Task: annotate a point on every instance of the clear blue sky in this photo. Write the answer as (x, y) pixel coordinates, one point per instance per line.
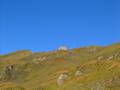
(43, 25)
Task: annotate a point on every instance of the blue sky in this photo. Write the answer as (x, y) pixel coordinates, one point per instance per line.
(43, 25)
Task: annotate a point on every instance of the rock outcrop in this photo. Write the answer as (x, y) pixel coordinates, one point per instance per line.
(9, 72)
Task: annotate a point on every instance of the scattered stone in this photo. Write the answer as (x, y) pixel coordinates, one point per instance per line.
(62, 78)
(110, 58)
(101, 57)
(78, 73)
(40, 59)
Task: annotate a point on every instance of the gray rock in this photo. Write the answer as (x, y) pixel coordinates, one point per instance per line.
(61, 79)
(110, 58)
(78, 73)
(101, 57)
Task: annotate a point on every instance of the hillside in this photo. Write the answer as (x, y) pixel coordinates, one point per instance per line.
(85, 68)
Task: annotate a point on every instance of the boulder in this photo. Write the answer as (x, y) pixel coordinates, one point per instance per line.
(78, 73)
(110, 58)
(62, 77)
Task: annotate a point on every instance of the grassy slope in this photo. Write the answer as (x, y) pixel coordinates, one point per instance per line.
(32, 73)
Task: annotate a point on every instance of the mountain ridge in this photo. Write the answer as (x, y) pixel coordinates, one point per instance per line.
(85, 68)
